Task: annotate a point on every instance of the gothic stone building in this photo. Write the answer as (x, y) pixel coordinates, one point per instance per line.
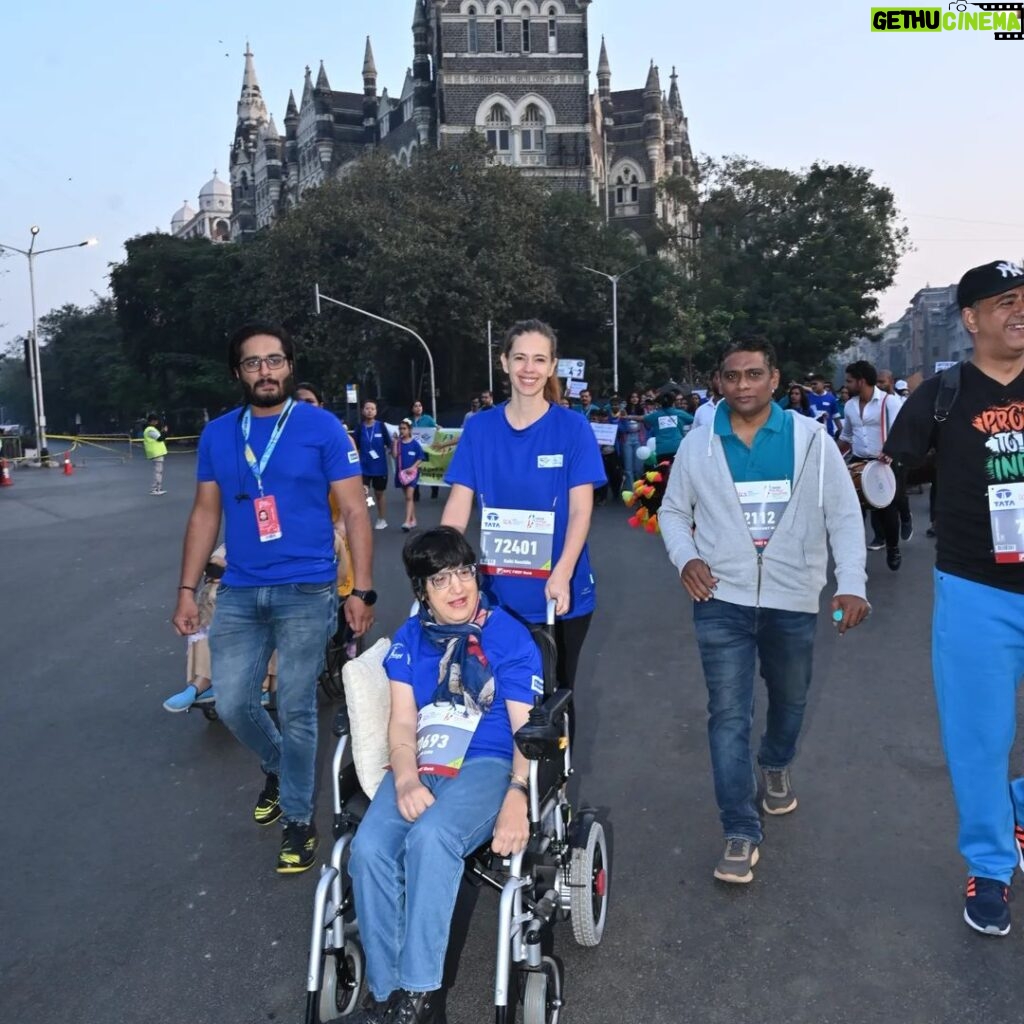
(516, 71)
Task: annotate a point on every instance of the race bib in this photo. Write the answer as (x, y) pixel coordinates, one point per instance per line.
(443, 735)
(515, 542)
(763, 502)
(668, 423)
(1006, 514)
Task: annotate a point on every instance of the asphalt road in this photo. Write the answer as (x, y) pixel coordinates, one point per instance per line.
(137, 889)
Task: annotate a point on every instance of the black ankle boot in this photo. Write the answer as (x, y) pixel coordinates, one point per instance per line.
(372, 1012)
(416, 1008)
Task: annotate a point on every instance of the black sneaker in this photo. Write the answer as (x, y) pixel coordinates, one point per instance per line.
(987, 906)
(893, 558)
(298, 848)
(930, 532)
(372, 1012)
(268, 809)
(877, 543)
(907, 528)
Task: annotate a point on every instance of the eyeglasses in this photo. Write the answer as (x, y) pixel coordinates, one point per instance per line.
(443, 580)
(253, 363)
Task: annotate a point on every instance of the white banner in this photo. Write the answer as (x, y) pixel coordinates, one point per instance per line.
(573, 369)
(605, 433)
(939, 367)
(576, 388)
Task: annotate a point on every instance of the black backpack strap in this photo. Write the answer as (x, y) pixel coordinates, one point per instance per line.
(949, 388)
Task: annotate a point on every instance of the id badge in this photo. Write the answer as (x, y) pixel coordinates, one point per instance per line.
(374, 455)
(267, 523)
(1006, 514)
(443, 735)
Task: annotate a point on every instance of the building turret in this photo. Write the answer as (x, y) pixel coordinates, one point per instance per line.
(604, 74)
(324, 107)
(252, 116)
(675, 101)
(291, 147)
(654, 122)
(423, 105)
(371, 106)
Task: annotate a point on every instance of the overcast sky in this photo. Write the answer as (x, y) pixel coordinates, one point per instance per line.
(116, 112)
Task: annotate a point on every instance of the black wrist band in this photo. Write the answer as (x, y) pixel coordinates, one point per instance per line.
(519, 787)
(183, 587)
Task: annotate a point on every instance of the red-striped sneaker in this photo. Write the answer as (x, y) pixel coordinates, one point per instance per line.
(987, 905)
(1018, 834)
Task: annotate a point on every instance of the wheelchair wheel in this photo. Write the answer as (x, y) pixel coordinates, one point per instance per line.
(330, 678)
(542, 994)
(342, 980)
(588, 880)
(209, 712)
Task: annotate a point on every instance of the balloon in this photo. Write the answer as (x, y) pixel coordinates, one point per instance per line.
(643, 453)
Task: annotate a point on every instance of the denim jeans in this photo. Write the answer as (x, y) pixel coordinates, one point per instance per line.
(731, 638)
(631, 465)
(405, 876)
(249, 624)
(978, 662)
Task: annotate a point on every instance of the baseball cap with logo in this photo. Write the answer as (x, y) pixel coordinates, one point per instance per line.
(990, 279)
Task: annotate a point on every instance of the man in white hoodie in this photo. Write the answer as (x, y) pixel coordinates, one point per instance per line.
(752, 505)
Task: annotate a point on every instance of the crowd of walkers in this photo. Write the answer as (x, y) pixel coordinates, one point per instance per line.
(757, 498)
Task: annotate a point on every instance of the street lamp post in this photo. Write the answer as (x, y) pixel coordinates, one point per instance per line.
(34, 365)
(615, 279)
(318, 295)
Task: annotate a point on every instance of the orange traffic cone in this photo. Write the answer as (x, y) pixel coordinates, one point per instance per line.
(68, 468)
(5, 474)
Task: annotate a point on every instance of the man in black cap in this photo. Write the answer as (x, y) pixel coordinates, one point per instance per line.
(976, 425)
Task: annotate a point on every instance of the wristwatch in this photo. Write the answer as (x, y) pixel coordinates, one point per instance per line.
(368, 597)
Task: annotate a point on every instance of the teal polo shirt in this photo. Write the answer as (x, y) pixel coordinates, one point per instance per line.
(771, 455)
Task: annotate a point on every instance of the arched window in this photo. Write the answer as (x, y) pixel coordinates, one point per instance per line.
(526, 30)
(531, 135)
(474, 32)
(499, 132)
(499, 31)
(552, 30)
(627, 192)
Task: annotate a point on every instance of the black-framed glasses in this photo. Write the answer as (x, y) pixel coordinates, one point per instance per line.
(251, 364)
(443, 580)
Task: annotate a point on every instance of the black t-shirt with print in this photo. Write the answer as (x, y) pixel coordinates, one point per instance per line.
(981, 444)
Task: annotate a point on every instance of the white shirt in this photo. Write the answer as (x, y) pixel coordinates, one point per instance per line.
(862, 430)
(705, 413)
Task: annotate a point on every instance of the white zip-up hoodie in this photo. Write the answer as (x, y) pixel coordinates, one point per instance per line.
(701, 517)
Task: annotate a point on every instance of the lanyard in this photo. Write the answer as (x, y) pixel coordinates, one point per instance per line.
(370, 435)
(258, 468)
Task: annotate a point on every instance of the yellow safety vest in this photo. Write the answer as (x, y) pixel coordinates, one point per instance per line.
(151, 443)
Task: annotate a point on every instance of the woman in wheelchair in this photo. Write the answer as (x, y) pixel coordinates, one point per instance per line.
(462, 677)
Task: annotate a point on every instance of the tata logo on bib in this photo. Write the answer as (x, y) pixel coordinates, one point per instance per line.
(1005, 21)
(492, 520)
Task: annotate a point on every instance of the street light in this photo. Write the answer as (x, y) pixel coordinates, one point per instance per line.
(615, 279)
(34, 368)
(318, 295)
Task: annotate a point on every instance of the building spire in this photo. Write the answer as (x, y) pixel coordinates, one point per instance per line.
(604, 74)
(369, 67)
(419, 17)
(322, 84)
(675, 101)
(293, 110)
(603, 65)
(653, 80)
(251, 108)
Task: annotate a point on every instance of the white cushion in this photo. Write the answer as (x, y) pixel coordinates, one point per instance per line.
(368, 696)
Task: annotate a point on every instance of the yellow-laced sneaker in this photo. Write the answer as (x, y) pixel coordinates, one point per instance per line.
(298, 848)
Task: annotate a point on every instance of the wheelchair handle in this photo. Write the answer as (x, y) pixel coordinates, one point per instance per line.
(549, 617)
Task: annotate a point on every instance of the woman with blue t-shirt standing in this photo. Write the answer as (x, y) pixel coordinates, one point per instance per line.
(408, 458)
(532, 465)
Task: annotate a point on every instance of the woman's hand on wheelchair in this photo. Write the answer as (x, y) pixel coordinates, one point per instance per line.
(413, 798)
(512, 829)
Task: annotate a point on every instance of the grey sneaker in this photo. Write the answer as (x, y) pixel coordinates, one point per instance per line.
(737, 862)
(778, 793)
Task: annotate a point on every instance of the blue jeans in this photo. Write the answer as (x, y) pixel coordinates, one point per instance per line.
(978, 661)
(405, 877)
(631, 465)
(731, 638)
(249, 624)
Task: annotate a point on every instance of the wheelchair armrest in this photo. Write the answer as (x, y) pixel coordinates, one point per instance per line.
(341, 726)
(542, 736)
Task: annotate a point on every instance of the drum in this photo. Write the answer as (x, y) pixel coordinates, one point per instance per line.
(874, 482)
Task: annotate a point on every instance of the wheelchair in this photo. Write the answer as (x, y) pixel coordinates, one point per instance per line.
(563, 874)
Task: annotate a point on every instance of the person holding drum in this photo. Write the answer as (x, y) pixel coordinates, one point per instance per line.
(869, 417)
(752, 497)
(532, 466)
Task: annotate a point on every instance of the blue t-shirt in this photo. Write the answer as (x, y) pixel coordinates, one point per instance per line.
(825, 408)
(668, 427)
(372, 441)
(770, 457)
(313, 451)
(408, 452)
(531, 470)
(515, 662)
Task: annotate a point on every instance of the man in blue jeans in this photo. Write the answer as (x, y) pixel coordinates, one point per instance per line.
(753, 502)
(271, 467)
